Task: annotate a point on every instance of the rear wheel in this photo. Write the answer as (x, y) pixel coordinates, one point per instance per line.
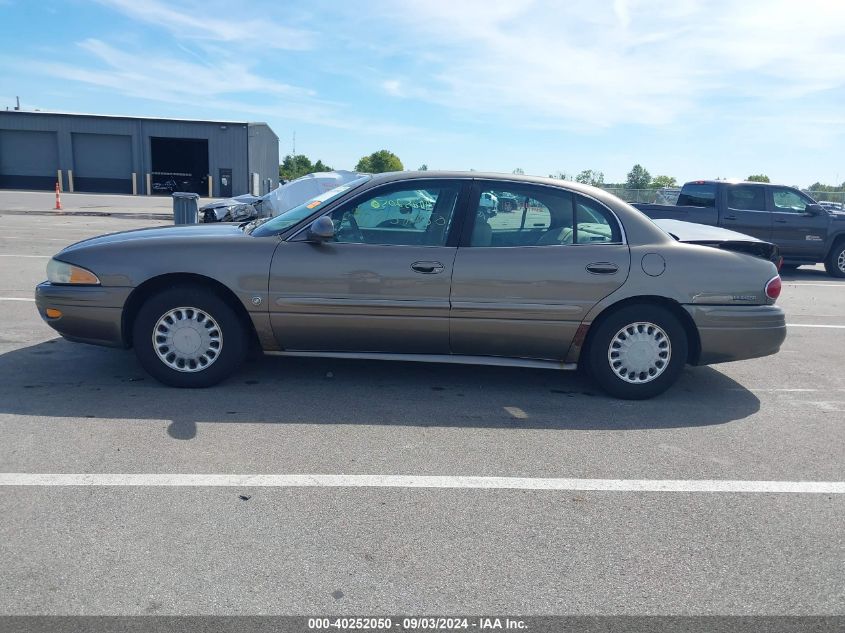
(637, 352)
(189, 337)
(835, 262)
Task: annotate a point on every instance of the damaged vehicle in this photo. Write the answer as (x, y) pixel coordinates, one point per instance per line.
(287, 196)
(589, 282)
(237, 209)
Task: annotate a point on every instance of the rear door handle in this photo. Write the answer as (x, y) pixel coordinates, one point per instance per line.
(602, 268)
(781, 221)
(427, 268)
(729, 217)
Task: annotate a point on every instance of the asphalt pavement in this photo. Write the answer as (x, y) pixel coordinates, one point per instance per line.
(241, 549)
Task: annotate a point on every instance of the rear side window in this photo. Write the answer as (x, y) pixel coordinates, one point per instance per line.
(522, 215)
(698, 195)
(517, 215)
(594, 224)
(747, 197)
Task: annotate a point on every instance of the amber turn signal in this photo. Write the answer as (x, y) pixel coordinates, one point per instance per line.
(53, 313)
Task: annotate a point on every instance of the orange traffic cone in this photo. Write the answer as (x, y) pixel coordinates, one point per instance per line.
(58, 198)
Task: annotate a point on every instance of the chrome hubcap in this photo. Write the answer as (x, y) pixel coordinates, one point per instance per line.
(841, 261)
(187, 339)
(639, 352)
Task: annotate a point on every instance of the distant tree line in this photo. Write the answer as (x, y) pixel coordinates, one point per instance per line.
(639, 177)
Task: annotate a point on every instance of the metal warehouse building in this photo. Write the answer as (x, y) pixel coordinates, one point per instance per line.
(135, 155)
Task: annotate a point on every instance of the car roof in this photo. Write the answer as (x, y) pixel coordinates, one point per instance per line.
(397, 176)
(736, 181)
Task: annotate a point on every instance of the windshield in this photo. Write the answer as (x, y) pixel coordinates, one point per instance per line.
(272, 226)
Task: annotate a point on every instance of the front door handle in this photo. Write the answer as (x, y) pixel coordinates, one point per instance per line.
(602, 268)
(729, 217)
(427, 268)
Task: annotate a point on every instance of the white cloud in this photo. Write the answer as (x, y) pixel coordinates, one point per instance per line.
(393, 87)
(216, 22)
(649, 62)
(215, 86)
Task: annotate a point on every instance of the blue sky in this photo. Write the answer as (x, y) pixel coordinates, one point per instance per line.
(688, 88)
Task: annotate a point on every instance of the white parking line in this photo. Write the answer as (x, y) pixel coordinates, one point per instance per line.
(835, 327)
(29, 239)
(801, 284)
(16, 299)
(768, 390)
(38, 256)
(422, 481)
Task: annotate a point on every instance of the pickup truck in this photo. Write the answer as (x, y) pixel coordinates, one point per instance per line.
(805, 232)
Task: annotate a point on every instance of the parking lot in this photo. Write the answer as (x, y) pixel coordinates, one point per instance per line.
(390, 543)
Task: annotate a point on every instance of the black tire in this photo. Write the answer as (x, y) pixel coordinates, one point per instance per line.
(210, 311)
(835, 262)
(598, 352)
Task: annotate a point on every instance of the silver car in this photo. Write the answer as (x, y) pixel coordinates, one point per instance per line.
(571, 276)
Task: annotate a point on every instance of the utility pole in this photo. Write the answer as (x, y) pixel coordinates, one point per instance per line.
(18, 100)
(293, 150)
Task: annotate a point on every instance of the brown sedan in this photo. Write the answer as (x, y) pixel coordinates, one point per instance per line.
(425, 267)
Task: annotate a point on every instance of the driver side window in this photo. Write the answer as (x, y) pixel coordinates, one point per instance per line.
(788, 201)
(391, 216)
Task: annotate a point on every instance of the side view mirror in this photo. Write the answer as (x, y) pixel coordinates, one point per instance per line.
(814, 209)
(321, 230)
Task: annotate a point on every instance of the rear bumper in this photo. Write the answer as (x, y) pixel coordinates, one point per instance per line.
(90, 314)
(731, 333)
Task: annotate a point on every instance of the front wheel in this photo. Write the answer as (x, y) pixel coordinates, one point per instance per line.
(835, 262)
(637, 352)
(189, 337)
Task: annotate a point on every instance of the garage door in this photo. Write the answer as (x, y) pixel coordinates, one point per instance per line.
(28, 160)
(102, 163)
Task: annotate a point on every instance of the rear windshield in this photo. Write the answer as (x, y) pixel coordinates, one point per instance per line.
(698, 195)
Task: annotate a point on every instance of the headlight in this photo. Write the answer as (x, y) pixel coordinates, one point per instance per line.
(242, 211)
(62, 273)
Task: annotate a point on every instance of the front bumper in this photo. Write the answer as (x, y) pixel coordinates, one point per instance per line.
(90, 314)
(729, 333)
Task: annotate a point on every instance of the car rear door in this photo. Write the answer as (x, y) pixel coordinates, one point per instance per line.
(524, 280)
(382, 284)
(746, 210)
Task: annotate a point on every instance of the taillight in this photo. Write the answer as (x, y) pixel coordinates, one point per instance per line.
(773, 288)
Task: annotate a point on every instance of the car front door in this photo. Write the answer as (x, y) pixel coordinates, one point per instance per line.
(381, 284)
(746, 211)
(797, 233)
(525, 277)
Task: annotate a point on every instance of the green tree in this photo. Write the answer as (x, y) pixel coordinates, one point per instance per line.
(294, 167)
(519, 171)
(817, 186)
(561, 175)
(379, 162)
(423, 167)
(758, 178)
(663, 181)
(590, 177)
(638, 177)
